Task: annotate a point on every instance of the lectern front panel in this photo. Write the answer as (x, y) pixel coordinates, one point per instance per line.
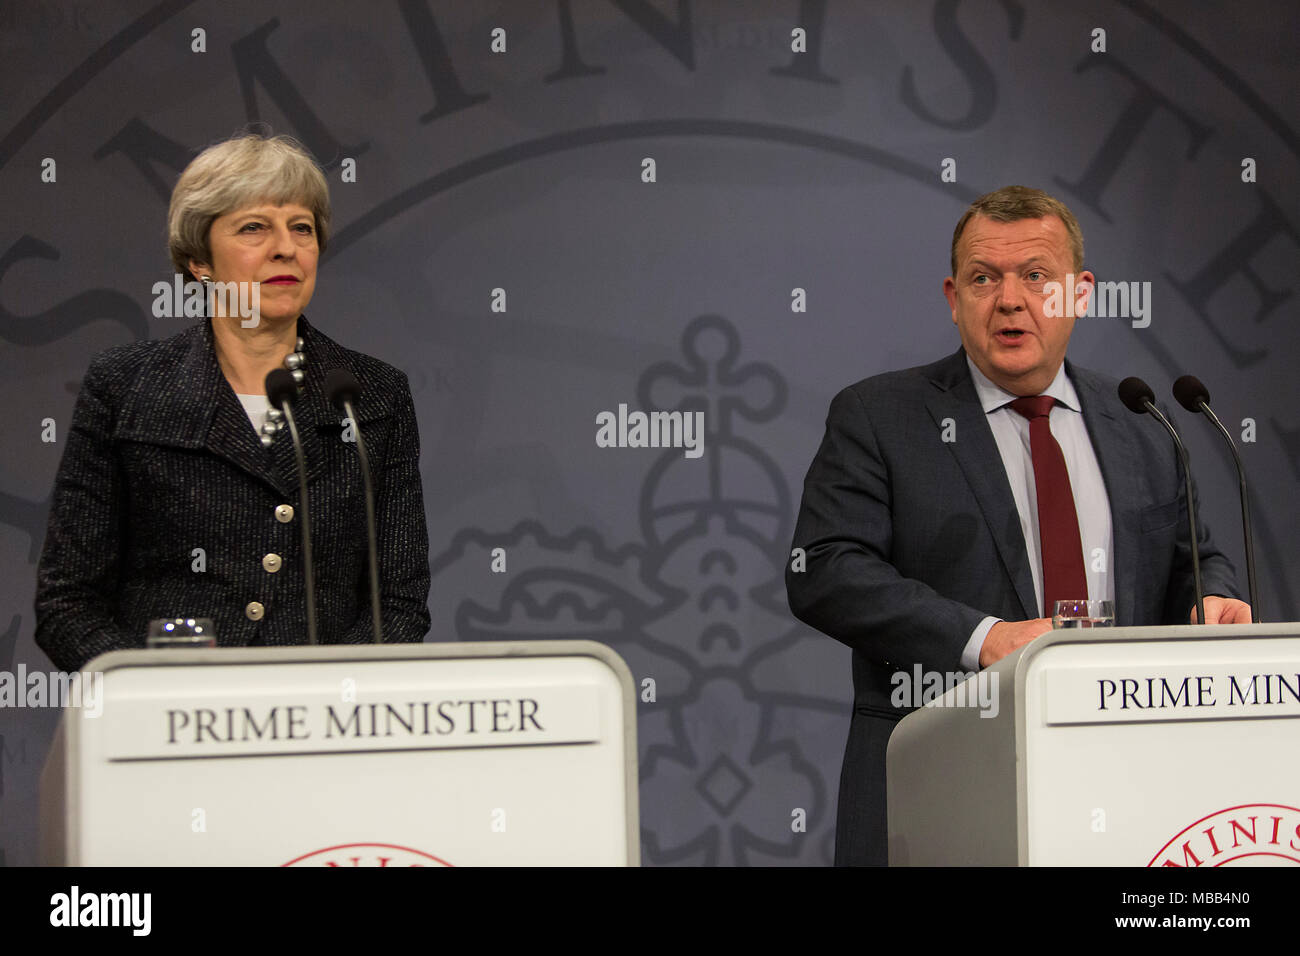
(1173, 753)
(337, 757)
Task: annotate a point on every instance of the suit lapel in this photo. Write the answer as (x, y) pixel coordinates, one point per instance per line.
(980, 461)
(1117, 457)
(189, 404)
(312, 413)
(202, 411)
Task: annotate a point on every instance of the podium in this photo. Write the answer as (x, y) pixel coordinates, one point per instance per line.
(1138, 746)
(504, 753)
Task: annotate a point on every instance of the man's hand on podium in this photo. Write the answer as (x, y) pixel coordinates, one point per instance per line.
(1005, 636)
(1220, 610)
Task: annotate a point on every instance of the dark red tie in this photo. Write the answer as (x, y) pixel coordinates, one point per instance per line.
(1058, 523)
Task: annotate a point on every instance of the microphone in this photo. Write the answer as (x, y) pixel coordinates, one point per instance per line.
(1138, 397)
(342, 389)
(1194, 397)
(282, 390)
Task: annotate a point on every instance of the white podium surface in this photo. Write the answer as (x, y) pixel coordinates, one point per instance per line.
(350, 755)
(1155, 746)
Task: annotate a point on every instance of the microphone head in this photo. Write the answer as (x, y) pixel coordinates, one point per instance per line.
(281, 388)
(341, 386)
(1135, 393)
(1190, 393)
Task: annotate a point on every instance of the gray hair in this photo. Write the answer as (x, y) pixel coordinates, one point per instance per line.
(1014, 203)
(242, 171)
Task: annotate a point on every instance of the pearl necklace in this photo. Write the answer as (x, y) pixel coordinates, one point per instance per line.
(274, 423)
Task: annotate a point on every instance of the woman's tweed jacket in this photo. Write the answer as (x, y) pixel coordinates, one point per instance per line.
(162, 460)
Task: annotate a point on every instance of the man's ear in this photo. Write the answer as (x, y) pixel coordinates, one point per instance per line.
(950, 293)
(1085, 283)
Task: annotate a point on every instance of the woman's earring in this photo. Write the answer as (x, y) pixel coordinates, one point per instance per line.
(207, 294)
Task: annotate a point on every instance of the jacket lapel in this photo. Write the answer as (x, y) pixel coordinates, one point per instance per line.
(191, 405)
(309, 411)
(313, 414)
(186, 402)
(230, 434)
(980, 461)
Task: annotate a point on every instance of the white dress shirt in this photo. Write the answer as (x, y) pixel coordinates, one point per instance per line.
(256, 407)
(1091, 504)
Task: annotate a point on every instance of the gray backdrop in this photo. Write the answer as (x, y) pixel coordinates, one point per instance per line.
(522, 170)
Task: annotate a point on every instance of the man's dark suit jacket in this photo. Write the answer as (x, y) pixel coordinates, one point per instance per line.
(911, 541)
(161, 459)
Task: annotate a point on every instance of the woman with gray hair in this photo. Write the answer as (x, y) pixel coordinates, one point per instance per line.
(177, 489)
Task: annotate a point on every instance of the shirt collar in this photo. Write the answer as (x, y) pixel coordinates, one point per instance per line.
(993, 397)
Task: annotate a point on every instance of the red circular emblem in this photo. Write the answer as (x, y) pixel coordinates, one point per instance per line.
(367, 854)
(1253, 834)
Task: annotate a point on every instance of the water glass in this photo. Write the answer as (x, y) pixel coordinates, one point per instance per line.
(1069, 614)
(168, 632)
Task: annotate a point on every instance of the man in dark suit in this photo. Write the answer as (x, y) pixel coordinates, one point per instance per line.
(949, 506)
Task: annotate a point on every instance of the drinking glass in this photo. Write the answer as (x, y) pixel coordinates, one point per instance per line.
(1070, 614)
(166, 632)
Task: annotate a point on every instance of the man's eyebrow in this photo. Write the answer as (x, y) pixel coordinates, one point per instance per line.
(990, 267)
